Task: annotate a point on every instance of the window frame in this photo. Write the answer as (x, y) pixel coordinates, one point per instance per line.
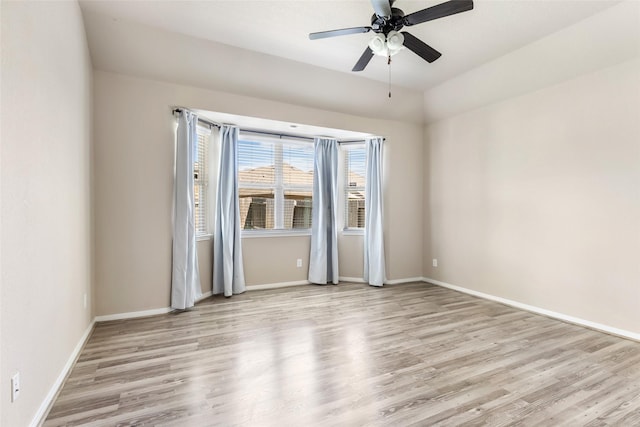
(346, 188)
(205, 181)
(279, 187)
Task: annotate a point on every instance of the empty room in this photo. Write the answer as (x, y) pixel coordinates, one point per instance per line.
(320, 213)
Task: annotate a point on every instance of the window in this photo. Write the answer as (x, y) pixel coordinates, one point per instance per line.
(201, 182)
(354, 207)
(275, 183)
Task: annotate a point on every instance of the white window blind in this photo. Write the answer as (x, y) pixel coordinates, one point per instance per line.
(354, 206)
(275, 181)
(201, 182)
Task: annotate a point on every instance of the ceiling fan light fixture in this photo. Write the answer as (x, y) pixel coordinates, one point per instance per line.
(378, 44)
(395, 41)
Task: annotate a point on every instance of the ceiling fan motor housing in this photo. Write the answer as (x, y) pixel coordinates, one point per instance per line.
(381, 25)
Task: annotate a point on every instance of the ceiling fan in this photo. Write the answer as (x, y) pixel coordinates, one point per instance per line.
(387, 21)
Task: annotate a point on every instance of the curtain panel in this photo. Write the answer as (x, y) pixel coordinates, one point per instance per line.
(323, 259)
(228, 270)
(185, 278)
(374, 269)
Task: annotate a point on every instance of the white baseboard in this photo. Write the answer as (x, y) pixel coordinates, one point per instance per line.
(143, 313)
(153, 312)
(387, 282)
(43, 410)
(132, 314)
(401, 281)
(277, 285)
(537, 310)
(351, 279)
(204, 296)
(341, 279)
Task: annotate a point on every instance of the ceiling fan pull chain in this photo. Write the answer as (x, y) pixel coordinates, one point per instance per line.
(389, 64)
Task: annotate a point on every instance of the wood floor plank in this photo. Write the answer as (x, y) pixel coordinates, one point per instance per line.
(350, 355)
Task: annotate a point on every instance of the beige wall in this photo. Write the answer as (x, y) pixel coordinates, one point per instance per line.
(273, 259)
(134, 137)
(537, 199)
(45, 204)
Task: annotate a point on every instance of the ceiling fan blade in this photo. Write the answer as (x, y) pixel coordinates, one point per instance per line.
(382, 7)
(342, 32)
(439, 11)
(420, 48)
(364, 60)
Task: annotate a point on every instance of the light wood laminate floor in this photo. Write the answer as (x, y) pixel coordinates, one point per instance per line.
(351, 355)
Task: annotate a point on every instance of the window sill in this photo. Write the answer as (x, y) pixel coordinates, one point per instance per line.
(353, 232)
(250, 234)
(281, 233)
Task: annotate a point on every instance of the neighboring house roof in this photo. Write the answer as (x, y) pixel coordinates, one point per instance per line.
(265, 175)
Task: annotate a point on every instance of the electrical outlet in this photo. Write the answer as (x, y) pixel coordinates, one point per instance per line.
(15, 386)
(85, 300)
(299, 263)
(434, 262)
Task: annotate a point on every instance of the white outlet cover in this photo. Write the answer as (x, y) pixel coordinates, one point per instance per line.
(435, 262)
(299, 262)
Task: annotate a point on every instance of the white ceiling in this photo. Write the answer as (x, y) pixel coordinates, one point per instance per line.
(468, 40)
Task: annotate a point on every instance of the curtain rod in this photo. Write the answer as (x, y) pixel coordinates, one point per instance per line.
(200, 119)
(305, 137)
(278, 134)
(263, 132)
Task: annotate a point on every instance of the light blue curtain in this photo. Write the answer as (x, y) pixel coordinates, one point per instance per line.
(185, 278)
(228, 271)
(323, 259)
(374, 271)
